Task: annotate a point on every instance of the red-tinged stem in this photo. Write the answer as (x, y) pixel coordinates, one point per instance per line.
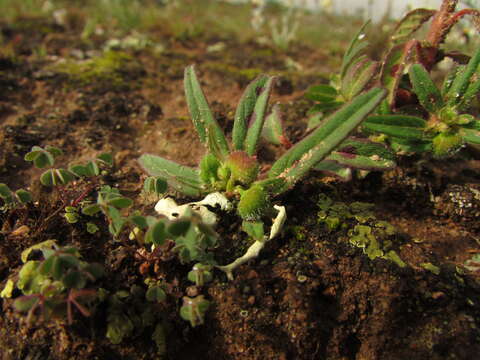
(460, 14)
(82, 196)
(439, 27)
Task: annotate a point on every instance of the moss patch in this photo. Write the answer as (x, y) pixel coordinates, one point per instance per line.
(362, 228)
(112, 67)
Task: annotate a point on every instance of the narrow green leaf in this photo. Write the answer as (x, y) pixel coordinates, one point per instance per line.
(400, 126)
(273, 129)
(201, 114)
(471, 136)
(245, 110)
(357, 45)
(333, 168)
(373, 162)
(425, 89)
(326, 106)
(410, 23)
(393, 68)
(462, 81)
(321, 93)
(296, 162)
(182, 178)
(358, 77)
(257, 118)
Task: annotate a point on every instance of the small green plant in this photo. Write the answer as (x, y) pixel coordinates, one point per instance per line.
(43, 158)
(110, 202)
(200, 274)
(57, 284)
(13, 199)
(448, 126)
(233, 168)
(194, 309)
(416, 116)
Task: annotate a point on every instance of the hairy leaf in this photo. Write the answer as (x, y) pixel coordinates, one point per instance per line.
(296, 162)
(400, 126)
(426, 91)
(182, 178)
(410, 23)
(245, 111)
(258, 118)
(463, 80)
(201, 114)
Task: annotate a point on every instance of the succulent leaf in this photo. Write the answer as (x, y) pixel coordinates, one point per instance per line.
(321, 93)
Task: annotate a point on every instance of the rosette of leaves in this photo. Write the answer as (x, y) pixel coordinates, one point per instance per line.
(448, 125)
(57, 284)
(232, 167)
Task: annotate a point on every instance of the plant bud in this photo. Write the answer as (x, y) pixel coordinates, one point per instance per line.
(244, 168)
(253, 203)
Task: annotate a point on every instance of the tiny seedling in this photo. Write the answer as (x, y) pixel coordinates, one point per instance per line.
(232, 168)
(56, 284)
(194, 309)
(13, 199)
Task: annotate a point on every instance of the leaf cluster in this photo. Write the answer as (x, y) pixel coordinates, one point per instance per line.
(232, 167)
(55, 284)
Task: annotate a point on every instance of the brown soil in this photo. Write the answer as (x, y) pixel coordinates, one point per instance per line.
(313, 296)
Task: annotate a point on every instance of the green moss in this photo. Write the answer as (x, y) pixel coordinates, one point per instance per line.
(298, 232)
(362, 228)
(111, 67)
